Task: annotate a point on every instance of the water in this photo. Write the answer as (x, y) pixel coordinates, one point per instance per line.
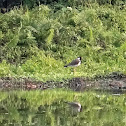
(47, 108)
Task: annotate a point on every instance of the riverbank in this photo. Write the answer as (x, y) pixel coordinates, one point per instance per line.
(112, 83)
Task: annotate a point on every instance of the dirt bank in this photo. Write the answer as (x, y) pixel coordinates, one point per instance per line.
(114, 82)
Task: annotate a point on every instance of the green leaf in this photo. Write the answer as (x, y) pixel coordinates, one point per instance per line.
(13, 42)
(50, 37)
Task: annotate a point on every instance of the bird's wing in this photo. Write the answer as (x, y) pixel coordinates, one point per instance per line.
(74, 62)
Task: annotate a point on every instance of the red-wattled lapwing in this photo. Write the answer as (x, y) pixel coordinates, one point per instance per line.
(74, 63)
(75, 107)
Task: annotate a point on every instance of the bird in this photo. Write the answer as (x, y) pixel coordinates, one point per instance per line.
(75, 106)
(74, 63)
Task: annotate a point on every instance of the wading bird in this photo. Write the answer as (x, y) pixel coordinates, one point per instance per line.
(74, 63)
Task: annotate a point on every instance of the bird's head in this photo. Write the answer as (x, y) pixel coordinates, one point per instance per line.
(79, 58)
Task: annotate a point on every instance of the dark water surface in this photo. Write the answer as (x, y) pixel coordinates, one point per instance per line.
(47, 108)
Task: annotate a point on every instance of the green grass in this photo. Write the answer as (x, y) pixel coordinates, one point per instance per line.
(38, 42)
(47, 68)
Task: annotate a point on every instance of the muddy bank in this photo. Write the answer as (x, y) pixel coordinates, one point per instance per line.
(114, 82)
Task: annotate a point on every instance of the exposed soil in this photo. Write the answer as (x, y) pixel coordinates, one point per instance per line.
(114, 82)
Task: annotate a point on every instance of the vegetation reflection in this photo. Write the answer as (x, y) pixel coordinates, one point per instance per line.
(48, 108)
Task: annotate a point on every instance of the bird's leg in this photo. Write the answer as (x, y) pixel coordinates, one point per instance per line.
(74, 70)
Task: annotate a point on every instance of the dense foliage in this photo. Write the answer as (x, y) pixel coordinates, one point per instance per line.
(38, 42)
